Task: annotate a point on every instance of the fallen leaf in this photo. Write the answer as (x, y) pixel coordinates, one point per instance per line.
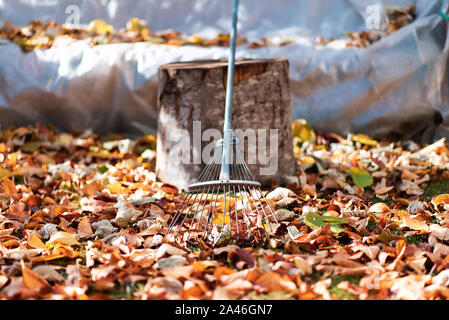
(49, 273)
(364, 139)
(361, 177)
(64, 238)
(33, 281)
(84, 228)
(115, 188)
(315, 220)
(36, 242)
(9, 188)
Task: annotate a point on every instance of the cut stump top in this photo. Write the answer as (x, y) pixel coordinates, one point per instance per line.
(244, 69)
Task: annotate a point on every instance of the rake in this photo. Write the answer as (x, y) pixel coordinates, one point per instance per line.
(226, 203)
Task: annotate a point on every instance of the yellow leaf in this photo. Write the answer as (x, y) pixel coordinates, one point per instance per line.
(32, 280)
(135, 24)
(307, 161)
(302, 130)
(115, 187)
(196, 39)
(36, 243)
(4, 173)
(63, 238)
(297, 151)
(226, 205)
(145, 33)
(100, 26)
(364, 139)
(218, 219)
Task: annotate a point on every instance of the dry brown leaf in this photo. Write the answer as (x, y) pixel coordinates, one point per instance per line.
(84, 228)
(33, 281)
(64, 238)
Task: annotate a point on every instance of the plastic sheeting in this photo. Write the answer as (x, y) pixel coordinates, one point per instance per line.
(397, 85)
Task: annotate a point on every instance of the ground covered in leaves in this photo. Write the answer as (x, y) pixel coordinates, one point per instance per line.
(81, 217)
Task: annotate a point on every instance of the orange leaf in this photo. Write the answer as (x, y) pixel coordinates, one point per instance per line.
(270, 281)
(115, 187)
(84, 228)
(46, 258)
(10, 244)
(39, 215)
(65, 251)
(441, 199)
(198, 266)
(221, 271)
(415, 224)
(9, 188)
(36, 243)
(32, 280)
(168, 188)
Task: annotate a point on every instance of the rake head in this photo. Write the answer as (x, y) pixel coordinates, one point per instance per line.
(226, 204)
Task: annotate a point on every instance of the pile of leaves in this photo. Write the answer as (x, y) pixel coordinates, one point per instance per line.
(82, 217)
(45, 35)
(397, 18)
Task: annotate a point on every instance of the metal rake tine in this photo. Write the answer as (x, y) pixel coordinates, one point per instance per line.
(245, 217)
(258, 213)
(205, 202)
(269, 207)
(210, 167)
(224, 217)
(236, 215)
(212, 213)
(179, 212)
(249, 202)
(215, 202)
(196, 212)
(185, 216)
(264, 213)
(241, 176)
(248, 222)
(233, 176)
(245, 167)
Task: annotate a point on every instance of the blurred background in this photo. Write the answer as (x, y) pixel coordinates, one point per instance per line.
(371, 66)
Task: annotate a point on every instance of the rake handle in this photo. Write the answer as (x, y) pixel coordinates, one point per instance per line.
(231, 63)
(227, 127)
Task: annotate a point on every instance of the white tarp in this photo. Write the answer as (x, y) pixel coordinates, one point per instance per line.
(397, 85)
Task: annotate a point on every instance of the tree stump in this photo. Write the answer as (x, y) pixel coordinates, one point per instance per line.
(191, 103)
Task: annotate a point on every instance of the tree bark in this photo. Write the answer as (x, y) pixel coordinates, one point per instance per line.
(195, 91)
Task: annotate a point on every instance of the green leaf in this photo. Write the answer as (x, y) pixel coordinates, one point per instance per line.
(30, 147)
(102, 168)
(19, 179)
(361, 177)
(315, 220)
(386, 237)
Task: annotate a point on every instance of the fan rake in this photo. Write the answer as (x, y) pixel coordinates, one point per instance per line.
(226, 203)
